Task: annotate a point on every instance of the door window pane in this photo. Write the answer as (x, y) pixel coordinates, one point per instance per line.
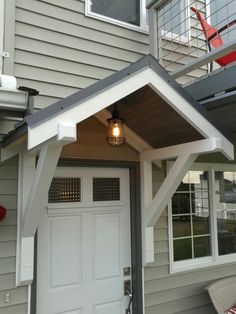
(122, 10)
(106, 189)
(63, 190)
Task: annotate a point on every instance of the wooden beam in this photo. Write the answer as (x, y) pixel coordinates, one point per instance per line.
(46, 166)
(196, 147)
(25, 246)
(153, 37)
(208, 57)
(168, 188)
(146, 199)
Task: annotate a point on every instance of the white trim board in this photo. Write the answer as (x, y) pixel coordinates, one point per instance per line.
(2, 23)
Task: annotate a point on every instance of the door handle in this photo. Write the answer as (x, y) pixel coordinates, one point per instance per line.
(127, 291)
(130, 302)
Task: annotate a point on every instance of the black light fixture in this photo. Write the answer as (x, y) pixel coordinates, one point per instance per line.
(115, 131)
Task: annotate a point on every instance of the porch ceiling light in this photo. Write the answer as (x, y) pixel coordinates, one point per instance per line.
(115, 131)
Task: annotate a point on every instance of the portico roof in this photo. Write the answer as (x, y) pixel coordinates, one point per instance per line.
(153, 104)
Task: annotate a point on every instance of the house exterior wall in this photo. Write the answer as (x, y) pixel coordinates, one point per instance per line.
(8, 199)
(58, 50)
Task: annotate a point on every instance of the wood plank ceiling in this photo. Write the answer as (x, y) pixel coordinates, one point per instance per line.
(152, 118)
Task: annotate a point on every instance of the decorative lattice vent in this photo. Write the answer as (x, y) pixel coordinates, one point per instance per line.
(106, 189)
(64, 190)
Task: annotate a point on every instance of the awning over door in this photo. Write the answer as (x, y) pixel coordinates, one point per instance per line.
(162, 121)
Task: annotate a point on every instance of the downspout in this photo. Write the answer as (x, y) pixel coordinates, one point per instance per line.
(10, 97)
(30, 103)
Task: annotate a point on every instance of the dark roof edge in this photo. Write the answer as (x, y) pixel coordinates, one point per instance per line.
(86, 93)
(14, 135)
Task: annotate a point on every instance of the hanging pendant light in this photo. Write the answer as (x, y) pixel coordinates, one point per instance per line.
(115, 131)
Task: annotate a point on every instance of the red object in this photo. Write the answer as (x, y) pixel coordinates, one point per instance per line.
(3, 212)
(214, 39)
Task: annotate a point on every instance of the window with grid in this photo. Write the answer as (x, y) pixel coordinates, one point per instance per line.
(190, 217)
(202, 218)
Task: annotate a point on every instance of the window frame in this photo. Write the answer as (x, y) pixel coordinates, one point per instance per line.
(180, 39)
(208, 261)
(143, 17)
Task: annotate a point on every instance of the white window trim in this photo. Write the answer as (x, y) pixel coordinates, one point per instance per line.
(143, 28)
(214, 259)
(185, 40)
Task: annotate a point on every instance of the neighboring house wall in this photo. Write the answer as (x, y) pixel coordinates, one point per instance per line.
(174, 54)
(60, 51)
(8, 198)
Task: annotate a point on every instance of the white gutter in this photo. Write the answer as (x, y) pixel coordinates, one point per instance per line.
(10, 97)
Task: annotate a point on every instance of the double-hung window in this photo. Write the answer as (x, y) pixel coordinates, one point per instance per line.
(202, 218)
(128, 13)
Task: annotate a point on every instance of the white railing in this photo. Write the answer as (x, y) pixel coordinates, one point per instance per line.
(177, 37)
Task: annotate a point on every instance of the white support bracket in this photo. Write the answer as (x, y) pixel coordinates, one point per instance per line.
(168, 188)
(196, 147)
(25, 246)
(153, 208)
(37, 200)
(34, 183)
(146, 198)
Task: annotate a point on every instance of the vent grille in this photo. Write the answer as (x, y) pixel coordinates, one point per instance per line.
(64, 190)
(106, 189)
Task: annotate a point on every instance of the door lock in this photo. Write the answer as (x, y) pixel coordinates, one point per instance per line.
(127, 287)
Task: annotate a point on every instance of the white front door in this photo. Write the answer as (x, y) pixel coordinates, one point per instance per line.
(84, 243)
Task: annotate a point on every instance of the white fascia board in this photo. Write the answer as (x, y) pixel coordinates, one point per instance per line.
(196, 147)
(49, 128)
(188, 112)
